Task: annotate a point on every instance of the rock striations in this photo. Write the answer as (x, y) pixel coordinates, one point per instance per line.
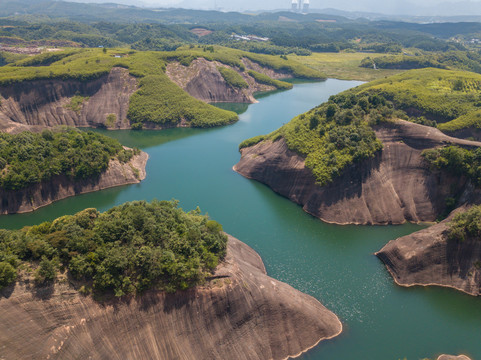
(61, 187)
(428, 258)
(44, 103)
(394, 187)
(202, 80)
(242, 313)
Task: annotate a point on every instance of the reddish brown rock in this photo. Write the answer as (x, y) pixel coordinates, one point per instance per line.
(202, 80)
(31, 105)
(428, 258)
(394, 187)
(241, 314)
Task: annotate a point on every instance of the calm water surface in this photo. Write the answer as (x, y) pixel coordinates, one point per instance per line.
(333, 263)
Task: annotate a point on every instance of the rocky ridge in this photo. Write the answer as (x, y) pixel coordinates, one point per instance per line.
(241, 313)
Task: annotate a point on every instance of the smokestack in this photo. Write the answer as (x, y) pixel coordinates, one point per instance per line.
(305, 6)
(295, 5)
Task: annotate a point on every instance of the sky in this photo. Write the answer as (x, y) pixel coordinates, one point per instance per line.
(396, 7)
(435, 7)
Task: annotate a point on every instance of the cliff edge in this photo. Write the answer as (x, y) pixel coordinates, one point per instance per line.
(202, 80)
(393, 187)
(61, 187)
(33, 105)
(241, 313)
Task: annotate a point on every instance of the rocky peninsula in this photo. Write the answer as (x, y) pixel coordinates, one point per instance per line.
(239, 313)
(393, 187)
(61, 187)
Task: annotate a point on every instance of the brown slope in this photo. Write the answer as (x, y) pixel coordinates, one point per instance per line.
(243, 314)
(61, 187)
(394, 187)
(43, 103)
(202, 80)
(427, 258)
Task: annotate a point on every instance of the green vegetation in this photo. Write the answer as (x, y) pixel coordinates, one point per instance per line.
(28, 158)
(433, 94)
(126, 250)
(111, 120)
(333, 135)
(7, 57)
(456, 60)
(172, 106)
(466, 225)
(76, 103)
(266, 80)
(158, 99)
(232, 77)
(343, 65)
(457, 161)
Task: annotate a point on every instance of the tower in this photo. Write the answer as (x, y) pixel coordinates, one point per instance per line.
(295, 5)
(305, 6)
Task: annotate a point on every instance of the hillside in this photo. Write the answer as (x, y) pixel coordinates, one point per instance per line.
(232, 308)
(352, 160)
(38, 169)
(121, 89)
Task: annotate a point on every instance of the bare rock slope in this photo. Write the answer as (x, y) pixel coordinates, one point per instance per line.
(37, 104)
(428, 258)
(202, 80)
(394, 187)
(241, 314)
(61, 187)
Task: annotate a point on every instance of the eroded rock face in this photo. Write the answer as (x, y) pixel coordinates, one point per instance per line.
(241, 314)
(394, 187)
(202, 80)
(61, 187)
(32, 105)
(428, 258)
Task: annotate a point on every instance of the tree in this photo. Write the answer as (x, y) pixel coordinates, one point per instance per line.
(8, 274)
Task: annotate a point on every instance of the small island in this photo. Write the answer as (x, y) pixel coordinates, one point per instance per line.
(148, 279)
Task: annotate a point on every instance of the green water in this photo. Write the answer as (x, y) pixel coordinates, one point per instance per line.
(333, 263)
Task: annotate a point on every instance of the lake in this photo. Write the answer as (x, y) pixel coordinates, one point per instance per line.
(333, 263)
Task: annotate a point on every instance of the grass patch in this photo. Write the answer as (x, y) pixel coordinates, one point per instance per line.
(344, 66)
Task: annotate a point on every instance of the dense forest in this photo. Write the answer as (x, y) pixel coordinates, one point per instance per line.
(126, 250)
(28, 158)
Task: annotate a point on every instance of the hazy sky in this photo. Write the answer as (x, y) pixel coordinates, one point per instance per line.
(393, 7)
(386, 6)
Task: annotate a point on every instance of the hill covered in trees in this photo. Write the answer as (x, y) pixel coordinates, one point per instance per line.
(128, 249)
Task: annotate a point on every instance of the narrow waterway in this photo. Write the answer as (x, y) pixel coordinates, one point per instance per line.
(333, 263)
